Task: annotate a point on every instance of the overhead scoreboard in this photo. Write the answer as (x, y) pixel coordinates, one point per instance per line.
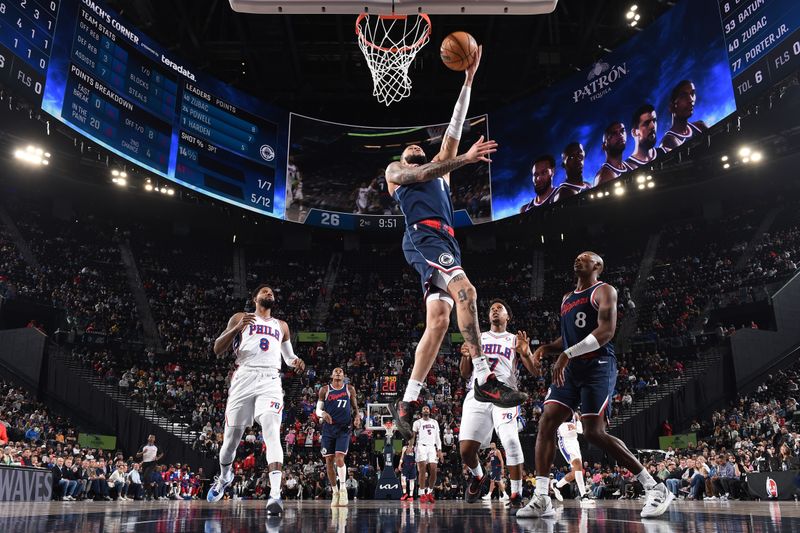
(119, 88)
(763, 42)
(26, 38)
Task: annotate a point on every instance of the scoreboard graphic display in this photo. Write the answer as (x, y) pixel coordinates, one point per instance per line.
(113, 84)
(763, 42)
(26, 38)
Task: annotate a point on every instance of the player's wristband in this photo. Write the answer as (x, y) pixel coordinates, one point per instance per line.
(589, 344)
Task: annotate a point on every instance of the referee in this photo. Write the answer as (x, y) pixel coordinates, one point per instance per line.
(150, 457)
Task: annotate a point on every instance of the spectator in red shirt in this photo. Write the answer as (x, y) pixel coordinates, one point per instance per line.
(3, 435)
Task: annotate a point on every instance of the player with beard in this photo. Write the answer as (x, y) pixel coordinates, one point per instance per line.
(681, 105)
(428, 451)
(543, 169)
(572, 160)
(644, 128)
(615, 139)
(259, 342)
(422, 190)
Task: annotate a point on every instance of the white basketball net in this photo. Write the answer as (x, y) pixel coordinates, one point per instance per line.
(389, 44)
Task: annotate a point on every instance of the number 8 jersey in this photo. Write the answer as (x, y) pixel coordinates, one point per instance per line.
(259, 344)
(579, 318)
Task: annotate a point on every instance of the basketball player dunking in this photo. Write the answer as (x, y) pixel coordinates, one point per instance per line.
(644, 128)
(614, 141)
(336, 406)
(259, 341)
(479, 419)
(542, 171)
(681, 105)
(584, 376)
(422, 190)
(572, 160)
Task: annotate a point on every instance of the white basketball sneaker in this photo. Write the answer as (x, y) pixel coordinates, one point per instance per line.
(540, 506)
(657, 501)
(217, 490)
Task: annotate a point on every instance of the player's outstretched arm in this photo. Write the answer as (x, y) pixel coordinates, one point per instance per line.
(401, 174)
(452, 136)
(236, 324)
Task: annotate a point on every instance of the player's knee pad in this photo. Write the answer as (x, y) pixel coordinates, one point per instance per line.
(271, 429)
(509, 437)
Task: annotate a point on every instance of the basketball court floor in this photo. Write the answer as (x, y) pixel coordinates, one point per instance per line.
(390, 516)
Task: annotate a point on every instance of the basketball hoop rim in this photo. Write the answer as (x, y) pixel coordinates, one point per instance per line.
(394, 50)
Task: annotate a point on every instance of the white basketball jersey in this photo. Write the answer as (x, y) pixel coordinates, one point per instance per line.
(259, 345)
(500, 351)
(569, 430)
(427, 431)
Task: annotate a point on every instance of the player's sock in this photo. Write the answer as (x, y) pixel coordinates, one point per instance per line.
(646, 479)
(411, 484)
(225, 470)
(481, 366)
(542, 485)
(412, 391)
(516, 486)
(341, 473)
(477, 471)
(579, 482)
(275, 484)
(561, 482)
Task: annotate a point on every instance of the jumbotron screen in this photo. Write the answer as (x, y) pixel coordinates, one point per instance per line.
(107, 80)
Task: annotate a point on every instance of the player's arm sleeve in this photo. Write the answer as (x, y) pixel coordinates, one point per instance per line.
(320, 408)
(438, 438)
(579, 427)
(287, 352)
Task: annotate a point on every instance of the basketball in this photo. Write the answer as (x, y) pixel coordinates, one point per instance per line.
(458, 50)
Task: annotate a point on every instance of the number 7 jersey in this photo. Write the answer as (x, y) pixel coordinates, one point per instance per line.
(579, 319)
(501, 355)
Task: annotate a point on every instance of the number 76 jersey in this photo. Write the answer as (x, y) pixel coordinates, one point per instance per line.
(500, 350)
(579, 319)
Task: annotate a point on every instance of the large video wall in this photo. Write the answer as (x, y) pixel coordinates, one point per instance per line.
(91, 69)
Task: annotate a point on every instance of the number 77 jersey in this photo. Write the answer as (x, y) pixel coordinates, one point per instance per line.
(579, 318)
(501, 354)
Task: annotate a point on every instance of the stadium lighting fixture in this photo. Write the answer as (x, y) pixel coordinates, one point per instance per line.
(32, 155)
(756, 157)
(591, 196)
(650, 185)
(629, 15)
(641, 186)
(148, 185)
(170, 192)
(746, 160)
(542, 239)
(724, 158)
(619, 191)
(607, 193)
(639, 179)
(744, 151)
(726, 166)
(163, 190)
(649, 177)
(617, 185)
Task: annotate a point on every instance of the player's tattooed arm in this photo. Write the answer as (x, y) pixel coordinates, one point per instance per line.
(236, 324)
(606, 298)
(401, 174)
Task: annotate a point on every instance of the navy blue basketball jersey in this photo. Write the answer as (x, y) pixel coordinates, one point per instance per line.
(495, 462)
(420, 201)
(337, 404)
(579, 318)
(409, 461)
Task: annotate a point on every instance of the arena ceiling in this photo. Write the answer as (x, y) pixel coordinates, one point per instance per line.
(311, 64)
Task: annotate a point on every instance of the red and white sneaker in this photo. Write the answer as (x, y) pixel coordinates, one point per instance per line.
(404, 497)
